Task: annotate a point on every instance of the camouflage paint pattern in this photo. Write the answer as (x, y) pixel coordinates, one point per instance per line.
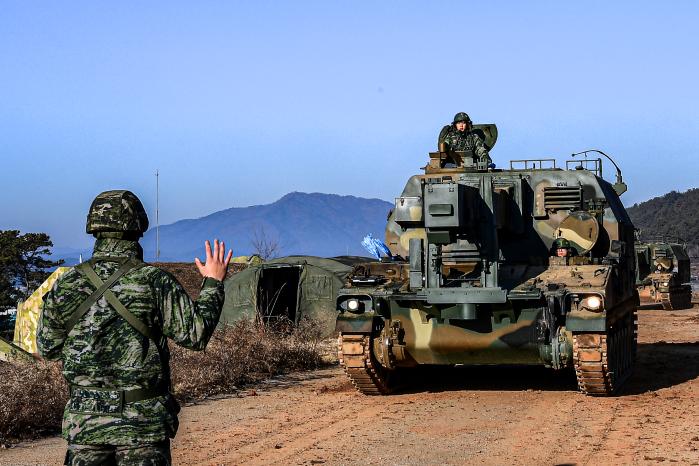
(546, 221)
(249, 260)
(12, 353)
(29, 311)
(103, 351)
(437, 341)
(663, 274)
(485, 289)
(117, 211)
(461, 116)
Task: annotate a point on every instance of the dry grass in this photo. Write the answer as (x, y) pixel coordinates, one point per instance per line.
(32, 397)
(188, 275)
(241, 354)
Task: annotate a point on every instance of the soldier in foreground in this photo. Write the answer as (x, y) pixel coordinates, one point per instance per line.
(108, 320)
(459, 137)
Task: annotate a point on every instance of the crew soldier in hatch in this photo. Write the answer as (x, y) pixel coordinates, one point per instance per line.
(562, 248)
(459, 137)
(108, 320)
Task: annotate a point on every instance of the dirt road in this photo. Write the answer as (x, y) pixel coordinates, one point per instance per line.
(457, 416)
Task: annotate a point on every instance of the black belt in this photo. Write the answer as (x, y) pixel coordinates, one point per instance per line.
(141, 394)
(130, 396)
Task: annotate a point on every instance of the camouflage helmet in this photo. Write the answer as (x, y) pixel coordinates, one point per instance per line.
(664, 263)
(561, 243)
(461, 116)
(117, 211)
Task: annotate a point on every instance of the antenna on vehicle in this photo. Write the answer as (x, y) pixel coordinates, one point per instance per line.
(157, 214)
(620, 187)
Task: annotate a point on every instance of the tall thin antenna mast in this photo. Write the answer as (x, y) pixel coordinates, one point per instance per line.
(157, 215)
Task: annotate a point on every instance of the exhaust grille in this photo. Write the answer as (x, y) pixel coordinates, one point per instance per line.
(563, 197)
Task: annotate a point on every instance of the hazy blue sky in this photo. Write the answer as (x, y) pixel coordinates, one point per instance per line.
(238, 103)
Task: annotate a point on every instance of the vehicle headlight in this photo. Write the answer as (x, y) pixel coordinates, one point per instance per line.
(664, 284)
(592, 303)
(354, 304)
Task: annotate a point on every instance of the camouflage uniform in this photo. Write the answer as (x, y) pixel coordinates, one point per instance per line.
(108, 363)
(88, 455)
(464, 140)
(467, 141)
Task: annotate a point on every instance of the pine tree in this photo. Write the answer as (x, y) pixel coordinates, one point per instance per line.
(24, 264)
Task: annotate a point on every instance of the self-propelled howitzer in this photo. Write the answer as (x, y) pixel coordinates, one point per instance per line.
(663, 273)
(474, 280)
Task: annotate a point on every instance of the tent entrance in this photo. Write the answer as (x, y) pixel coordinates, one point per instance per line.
(277, 293)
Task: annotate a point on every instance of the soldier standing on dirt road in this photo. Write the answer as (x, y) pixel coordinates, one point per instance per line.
(108, 320)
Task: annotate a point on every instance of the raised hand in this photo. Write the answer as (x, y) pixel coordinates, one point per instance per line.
(217, 262)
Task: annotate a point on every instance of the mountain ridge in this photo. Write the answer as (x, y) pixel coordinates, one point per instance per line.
(299, 223)
(675, 214)
(329, 225)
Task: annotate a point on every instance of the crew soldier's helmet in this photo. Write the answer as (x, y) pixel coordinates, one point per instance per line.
(561, 243)
(664, 264)
(117, 211)
(461, 116)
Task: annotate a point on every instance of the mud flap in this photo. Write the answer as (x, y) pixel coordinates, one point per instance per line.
(586, 321)
(352, 323)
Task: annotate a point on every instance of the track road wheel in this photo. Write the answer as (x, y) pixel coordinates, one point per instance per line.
(604, 361)
(360, 365)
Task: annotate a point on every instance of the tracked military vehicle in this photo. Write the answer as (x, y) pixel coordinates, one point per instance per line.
(473, 279)
(663, 273)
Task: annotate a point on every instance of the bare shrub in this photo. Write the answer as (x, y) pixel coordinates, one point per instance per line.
(32, 398)
(310, 332)
(240, 354)
(265, 246)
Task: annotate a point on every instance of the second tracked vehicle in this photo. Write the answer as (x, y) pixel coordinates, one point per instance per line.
(474, 277)
(663, 273)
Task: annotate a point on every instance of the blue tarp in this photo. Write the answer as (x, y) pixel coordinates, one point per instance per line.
(375, 247)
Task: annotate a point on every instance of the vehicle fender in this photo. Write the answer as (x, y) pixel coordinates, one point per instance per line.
(586, 321)
(348, 322)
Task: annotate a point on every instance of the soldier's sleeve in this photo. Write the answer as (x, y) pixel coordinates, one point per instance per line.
(443, 135)
(479, 149)
(51, 333)
(190, 323)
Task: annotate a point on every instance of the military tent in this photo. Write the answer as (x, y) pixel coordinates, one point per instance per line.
(29, 311)
(9, 352)
(293, 288)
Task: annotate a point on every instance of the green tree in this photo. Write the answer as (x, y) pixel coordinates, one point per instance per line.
(674, 215)
(23, 264)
